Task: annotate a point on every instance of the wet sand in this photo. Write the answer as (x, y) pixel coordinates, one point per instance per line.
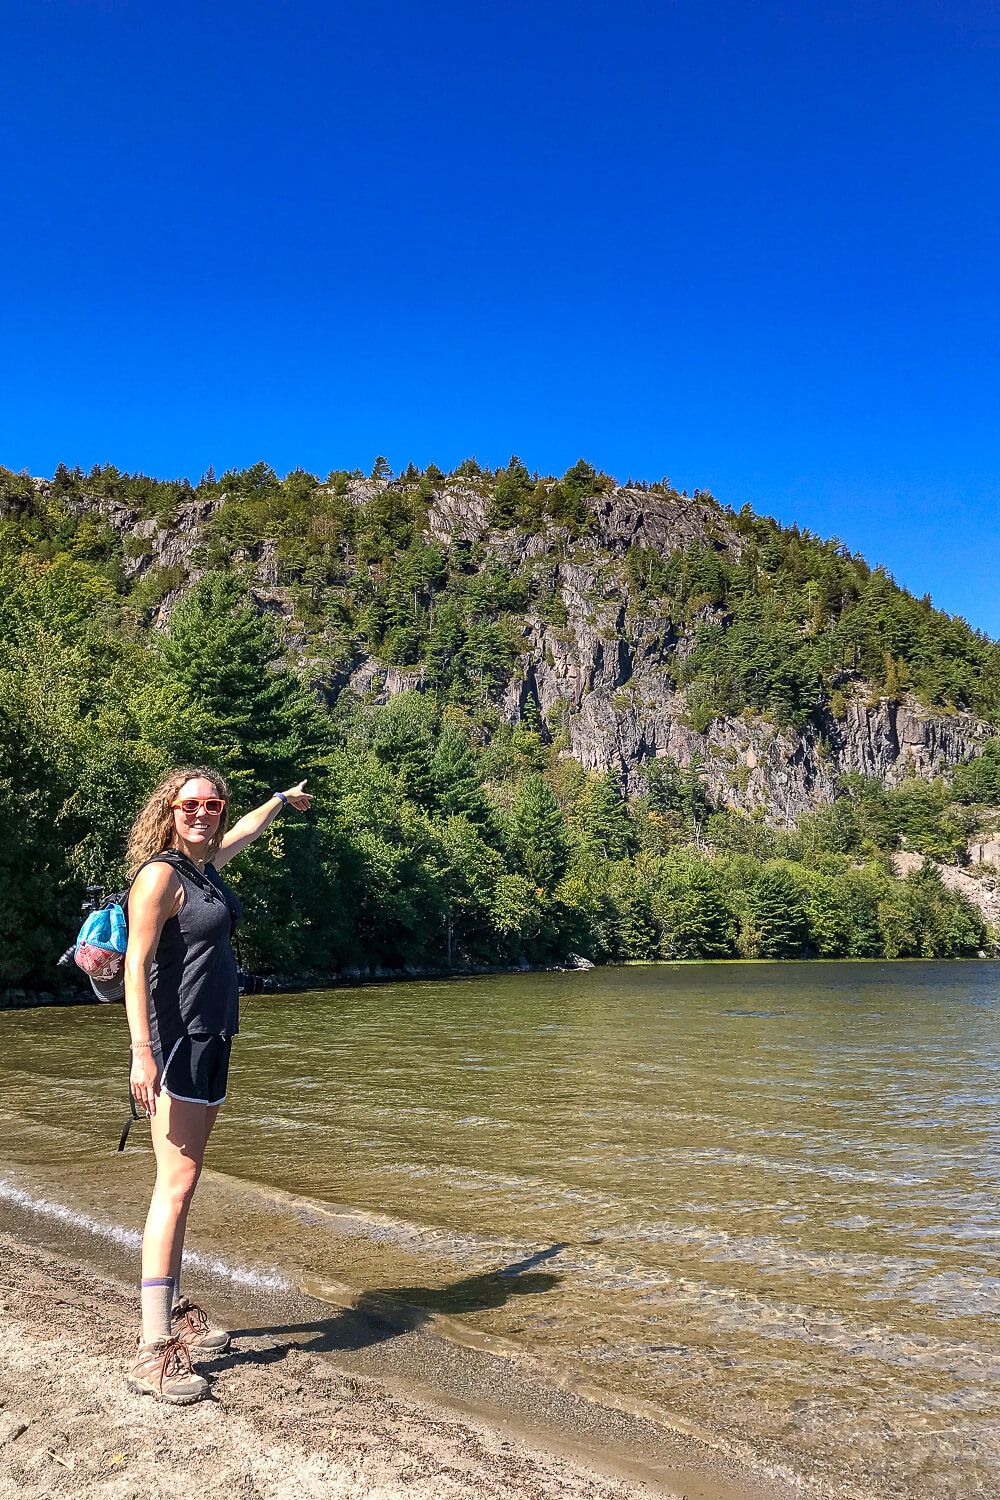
(311, 1401)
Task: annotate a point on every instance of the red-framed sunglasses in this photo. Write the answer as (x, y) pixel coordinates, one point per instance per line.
(190, 805)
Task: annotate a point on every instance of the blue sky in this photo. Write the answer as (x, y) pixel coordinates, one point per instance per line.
(753, 247)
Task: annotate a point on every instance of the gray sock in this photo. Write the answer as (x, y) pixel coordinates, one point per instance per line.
(157, 1298)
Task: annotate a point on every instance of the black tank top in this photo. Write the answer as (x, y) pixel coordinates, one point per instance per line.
(193, 983)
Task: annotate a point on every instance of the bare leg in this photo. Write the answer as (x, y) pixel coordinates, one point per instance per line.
(210, 1114)
(179, 1131)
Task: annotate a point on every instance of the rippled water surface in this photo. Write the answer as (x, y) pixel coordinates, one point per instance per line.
(759, 1198)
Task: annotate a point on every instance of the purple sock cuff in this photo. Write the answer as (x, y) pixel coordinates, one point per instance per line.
(160, 1281)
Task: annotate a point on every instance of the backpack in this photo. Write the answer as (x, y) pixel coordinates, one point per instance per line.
(102, 940)
(100, 946)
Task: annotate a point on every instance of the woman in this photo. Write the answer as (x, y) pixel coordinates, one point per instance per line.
(182, 1002)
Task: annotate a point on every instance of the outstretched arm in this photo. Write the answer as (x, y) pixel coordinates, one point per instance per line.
(253, 823)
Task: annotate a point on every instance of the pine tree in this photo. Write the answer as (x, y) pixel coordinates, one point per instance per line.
(681, 793)
(604, 820)
(979, 781)
(580, 480)
(530, 716)
(697, 923)
(402, 736)
(634, 926)
(32, 864)
(510, 492)
(778, 913)
(826, 910)
(253, 721)
(537, 833)
(455, 777)
(445, 641)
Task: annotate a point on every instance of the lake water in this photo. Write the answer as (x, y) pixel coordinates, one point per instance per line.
(760, 1200)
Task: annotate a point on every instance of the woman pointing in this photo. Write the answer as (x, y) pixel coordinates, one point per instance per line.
(182, 1002)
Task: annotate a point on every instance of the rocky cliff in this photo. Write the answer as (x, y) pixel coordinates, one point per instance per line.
(602, 679)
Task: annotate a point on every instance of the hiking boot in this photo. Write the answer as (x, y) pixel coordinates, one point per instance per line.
(190, 1324)
(163, 1368)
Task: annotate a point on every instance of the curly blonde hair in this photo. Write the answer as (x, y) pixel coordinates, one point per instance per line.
(153, 829)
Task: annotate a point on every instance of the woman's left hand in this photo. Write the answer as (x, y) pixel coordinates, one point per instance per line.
(298, 798)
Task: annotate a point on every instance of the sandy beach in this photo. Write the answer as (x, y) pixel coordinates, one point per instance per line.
(280, 1421)
(290, 1416)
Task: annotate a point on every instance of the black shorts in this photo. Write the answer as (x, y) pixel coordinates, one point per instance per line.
(196, 1069)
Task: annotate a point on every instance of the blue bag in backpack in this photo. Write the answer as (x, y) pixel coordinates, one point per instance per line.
(100, 949)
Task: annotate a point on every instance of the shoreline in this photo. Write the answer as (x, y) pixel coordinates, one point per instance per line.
(15, 997)
(313, 1400)
(20, 997)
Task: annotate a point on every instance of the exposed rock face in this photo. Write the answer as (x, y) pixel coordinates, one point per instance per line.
(623, 518)
(889, 741)
(457, 513)
(172, 547)
(629, 517)
(985, 851)
(620, 708)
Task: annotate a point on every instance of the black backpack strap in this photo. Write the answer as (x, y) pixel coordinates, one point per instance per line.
(190, 871)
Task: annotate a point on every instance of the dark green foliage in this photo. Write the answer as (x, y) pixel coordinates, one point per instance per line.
(779, 627)
(386, 525)
(920, 918)
(979, 781)
(34, 871)
(918, 815)
(468, 469)
(842, 916)
(455, 778)
(17, 493)
(776, 911)
(401, 737)
(678, 796)
(580, 481)
(604, 823)
(536, 833)
(511, 494)
(759, 659)
(694, 916)
(924, 818)
(466, 870)
(386, 884)
(446, 638)
(487, 657)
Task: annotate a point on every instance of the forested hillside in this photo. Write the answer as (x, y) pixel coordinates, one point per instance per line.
(541, 716)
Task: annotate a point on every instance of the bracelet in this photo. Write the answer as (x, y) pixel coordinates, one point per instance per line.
(143, 1045)
(281, 797)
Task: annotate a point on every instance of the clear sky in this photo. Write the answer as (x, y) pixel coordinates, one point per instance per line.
(754, 247)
